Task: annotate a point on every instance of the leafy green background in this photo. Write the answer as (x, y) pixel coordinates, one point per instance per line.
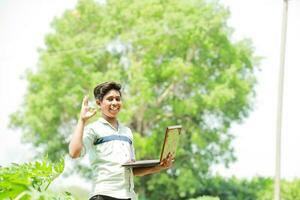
(177, 63)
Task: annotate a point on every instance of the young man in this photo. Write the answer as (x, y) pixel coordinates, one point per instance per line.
(109, 144)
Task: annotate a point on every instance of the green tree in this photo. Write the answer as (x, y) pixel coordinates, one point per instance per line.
(290, 190)
(236, 189)
(177, 64)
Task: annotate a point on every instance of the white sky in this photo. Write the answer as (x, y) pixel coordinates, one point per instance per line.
(260, 20)
(23, 25)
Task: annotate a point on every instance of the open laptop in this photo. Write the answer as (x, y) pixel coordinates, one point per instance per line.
(169, 147)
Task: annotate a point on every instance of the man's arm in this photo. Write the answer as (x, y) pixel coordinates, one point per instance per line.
(142, 171)
(76, 143)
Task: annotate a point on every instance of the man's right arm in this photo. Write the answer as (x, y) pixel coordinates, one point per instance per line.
(76, 143)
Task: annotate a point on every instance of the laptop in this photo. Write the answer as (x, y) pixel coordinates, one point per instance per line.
(169, 147)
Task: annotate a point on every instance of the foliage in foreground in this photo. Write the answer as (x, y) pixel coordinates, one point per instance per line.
(30, 180)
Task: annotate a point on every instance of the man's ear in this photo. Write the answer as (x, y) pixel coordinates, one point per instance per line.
(98, 102)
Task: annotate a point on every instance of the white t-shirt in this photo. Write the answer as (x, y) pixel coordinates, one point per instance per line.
(106, 158)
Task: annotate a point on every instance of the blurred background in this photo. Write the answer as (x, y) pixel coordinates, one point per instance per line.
(218, 59)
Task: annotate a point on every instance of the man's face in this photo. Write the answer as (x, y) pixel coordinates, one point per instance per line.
(111, 104)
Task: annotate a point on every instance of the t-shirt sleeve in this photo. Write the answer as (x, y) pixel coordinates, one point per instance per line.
(88, 140)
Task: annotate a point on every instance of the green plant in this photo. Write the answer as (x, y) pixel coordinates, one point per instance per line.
(30, 180)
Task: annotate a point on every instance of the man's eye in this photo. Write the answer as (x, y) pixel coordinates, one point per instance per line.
(111, 99)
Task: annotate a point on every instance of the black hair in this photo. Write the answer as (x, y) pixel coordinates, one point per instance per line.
(102, 89)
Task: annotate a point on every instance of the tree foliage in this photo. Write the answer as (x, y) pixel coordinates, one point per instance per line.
(235, 189)
(177, 64)
(257, 188)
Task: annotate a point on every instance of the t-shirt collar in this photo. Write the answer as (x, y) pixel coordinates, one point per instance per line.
(104, 121)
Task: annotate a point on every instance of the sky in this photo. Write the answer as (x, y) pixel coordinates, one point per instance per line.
(23, 25)
(260, 20)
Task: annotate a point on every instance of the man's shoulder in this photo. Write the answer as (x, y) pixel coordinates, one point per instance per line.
(94, 125)
(126, 129)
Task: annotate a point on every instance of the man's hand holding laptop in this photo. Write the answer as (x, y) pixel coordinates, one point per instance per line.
(166, 163)
(144, 167)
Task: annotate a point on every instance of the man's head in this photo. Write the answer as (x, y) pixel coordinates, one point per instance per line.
(108, 97)
(102, 89)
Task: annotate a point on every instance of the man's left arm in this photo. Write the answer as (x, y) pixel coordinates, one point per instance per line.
(165, 164)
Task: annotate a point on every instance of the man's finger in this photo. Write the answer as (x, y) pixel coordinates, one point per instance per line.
(91, 113)
(94, 113)
(162, 162)
(85, 101)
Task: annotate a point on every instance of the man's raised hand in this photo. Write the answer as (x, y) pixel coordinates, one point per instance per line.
(86, 111)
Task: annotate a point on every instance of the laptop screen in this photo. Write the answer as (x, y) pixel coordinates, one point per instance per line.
(171, 140)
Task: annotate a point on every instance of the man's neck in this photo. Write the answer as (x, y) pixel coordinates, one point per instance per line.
(113, 121)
